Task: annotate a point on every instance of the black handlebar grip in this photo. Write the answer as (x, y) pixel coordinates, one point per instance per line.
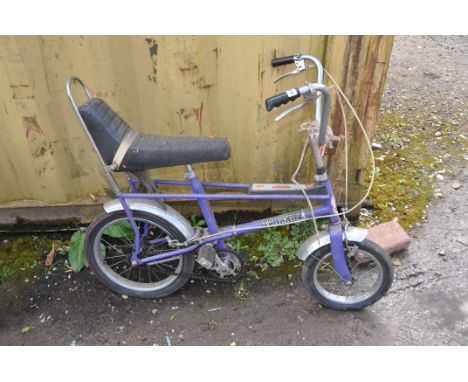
(281, 99)
(282, 61)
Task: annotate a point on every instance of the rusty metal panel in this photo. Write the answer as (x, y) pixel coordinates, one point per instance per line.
(168, 85)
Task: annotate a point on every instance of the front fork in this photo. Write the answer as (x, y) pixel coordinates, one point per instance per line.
(338, 253)
(336, 238)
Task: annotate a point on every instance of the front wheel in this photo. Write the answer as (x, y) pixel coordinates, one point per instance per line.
(371, 271)
(109, 244)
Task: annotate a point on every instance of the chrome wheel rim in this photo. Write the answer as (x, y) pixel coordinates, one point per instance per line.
(113, 255)
(367, 273)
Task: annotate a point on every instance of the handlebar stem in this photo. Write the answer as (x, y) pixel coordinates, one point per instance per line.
(324, 118)
(325, 112)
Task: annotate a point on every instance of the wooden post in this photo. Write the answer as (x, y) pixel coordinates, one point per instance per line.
(361, 75)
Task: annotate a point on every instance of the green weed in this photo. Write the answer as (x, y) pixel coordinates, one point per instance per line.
(196, 222)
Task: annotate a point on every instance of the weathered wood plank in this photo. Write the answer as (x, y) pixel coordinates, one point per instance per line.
(169, 85)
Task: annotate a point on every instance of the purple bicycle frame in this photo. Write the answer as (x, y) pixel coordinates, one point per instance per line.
(218, 234)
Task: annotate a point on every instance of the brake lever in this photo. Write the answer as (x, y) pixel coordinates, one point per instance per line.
(300, 66)
(309, 97)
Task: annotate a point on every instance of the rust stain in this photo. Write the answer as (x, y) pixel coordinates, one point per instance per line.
(206, 86)
(355, 57)
(336, 117)
(153, 51)
(181, 115)
(44, 168)
(39, 152)
(260, 75)
(259, 113)
(198, 114)
(30, 124)
(201, 83)
(189, 67)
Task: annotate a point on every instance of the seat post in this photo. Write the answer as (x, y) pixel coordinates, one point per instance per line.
(207, 212)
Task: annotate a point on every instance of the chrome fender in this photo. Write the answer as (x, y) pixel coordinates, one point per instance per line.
(312, 243)
(156, 208)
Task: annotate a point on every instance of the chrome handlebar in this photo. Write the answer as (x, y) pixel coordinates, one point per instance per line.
(310, 91)
(300, 62)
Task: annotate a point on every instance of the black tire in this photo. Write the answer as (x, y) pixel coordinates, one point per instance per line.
(112, 280)
(315, 259)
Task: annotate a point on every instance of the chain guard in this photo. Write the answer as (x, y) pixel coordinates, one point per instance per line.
(241, 256)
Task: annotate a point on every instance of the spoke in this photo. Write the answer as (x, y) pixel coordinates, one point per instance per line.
(165, 271)
(366, 272)
(117, 263)
(115, 257)
(149, 274)
(124, 238)
(350, 288)
(168, 266)
(120, 245)
(154, 246)
(154, 241)
(125, 270)
(113, 247)
(160, 268)
(337, 283)
(129, 273)
(354, 267)
(358, 264)
(157, 277)
(363, 284)
(159, 236)
(332, 268)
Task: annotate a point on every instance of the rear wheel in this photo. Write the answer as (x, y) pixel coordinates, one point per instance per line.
(371, 270)
(109, 244)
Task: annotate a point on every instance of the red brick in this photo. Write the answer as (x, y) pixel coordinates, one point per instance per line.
(390, 236)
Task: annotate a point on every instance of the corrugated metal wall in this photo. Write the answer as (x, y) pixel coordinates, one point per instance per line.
(168, 85)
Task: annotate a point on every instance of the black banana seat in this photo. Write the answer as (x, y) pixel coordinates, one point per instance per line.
(146, 151)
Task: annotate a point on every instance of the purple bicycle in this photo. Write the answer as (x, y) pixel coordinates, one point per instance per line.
(142, 247)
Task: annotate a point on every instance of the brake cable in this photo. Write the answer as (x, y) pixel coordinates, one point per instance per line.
(367, 139)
